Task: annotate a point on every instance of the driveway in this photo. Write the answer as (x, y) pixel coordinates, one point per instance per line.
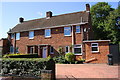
(77, 71)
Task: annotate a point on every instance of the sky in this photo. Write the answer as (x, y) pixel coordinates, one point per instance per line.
(10, 12)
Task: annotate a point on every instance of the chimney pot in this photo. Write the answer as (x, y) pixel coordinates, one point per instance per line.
(49, 14)
(21, 19)
(87, 7)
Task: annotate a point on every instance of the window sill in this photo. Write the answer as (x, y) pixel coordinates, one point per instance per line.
(31, 38)
(67, 35)
(95, 52)
(48, 37)
(77, 32)
(78, 54)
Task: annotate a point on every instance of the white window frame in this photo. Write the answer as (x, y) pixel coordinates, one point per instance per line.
(32, 34)
(12, 36)
(64, 31)
(94, 46)
(17, 36)
(78, 47)
(46, 31)
(79, 29)
(68, 49)
(50, 50)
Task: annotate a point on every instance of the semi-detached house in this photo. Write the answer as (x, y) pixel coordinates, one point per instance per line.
(72, 32)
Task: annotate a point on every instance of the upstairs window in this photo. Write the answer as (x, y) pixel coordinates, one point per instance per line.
(12, 36)
(67, 49)
(17, 36)
(31, 34)
(94, 47)
(77, 29)
(67, 31)
(78, 49)
(51, 50)
(47, 32)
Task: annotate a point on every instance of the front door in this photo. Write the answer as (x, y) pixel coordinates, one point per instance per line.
(44, 52)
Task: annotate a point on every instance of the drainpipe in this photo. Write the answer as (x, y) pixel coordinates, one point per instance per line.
(73, 39)
(14, 43)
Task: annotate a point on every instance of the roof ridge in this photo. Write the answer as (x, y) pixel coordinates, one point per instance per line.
(56, 15)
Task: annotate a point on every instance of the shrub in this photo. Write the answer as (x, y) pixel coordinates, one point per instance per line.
(26, 66)
(69, 57)
(60, 59)
(20, 55)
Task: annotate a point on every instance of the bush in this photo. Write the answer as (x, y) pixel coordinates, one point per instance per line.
(69, 57)
(60, 59)
(26, 66)
(21, 56)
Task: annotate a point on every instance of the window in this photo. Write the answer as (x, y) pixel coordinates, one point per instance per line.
(12, 36)
(31, 34)
(17, 36)
(51, 50)
(78, 49)
(11, 49)
(67, 50)
(67, 31)
(94, 47)
(47, 32)
(77, 29)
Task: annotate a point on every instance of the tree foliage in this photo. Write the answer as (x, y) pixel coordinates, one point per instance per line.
(104, 20)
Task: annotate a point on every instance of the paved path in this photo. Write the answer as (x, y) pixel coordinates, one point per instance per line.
(77, 71)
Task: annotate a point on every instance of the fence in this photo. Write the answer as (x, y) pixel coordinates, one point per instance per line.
(115, 51)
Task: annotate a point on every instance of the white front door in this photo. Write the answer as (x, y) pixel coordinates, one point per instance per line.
(44, 52)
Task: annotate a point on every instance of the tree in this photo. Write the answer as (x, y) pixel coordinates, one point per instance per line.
(104, 22)
(113, 32)
(99, 13)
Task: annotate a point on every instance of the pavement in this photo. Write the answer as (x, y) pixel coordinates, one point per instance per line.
(87, 71)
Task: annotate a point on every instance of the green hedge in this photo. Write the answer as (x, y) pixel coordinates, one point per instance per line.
(21, 56)
(26, 66)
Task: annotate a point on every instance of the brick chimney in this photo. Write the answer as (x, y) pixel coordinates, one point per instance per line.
(48, 14)
(87, 7)
(21, 19)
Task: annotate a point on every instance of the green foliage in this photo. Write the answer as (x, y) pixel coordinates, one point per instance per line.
(26, 66)
(60, 59)
(60, 50)
(104, 20)
(111, 29)
(69, 57)
(21, 56)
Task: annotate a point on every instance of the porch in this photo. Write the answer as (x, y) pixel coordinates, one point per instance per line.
(42, 50)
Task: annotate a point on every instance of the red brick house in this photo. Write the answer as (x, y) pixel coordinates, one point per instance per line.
(72, 32)
(4, 46)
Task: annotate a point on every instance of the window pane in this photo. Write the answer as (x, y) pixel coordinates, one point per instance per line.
(67, 31)
(94, 45)
(77, 50)
(11, 49)
(66, 49)
(77, 29)
(47, 32)
(12, 36)
(94, 48)
(51, 49)
(17, 36)
(31, 34)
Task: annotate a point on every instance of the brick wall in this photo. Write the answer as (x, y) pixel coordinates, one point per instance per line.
(57, 39)
(101, 56)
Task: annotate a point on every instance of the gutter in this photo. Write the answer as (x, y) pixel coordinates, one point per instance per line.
(50, 27)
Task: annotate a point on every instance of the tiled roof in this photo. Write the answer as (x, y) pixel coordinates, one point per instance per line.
(64, 19)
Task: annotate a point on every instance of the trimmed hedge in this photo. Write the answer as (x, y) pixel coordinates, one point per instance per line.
(26, 66)
(21, 56)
